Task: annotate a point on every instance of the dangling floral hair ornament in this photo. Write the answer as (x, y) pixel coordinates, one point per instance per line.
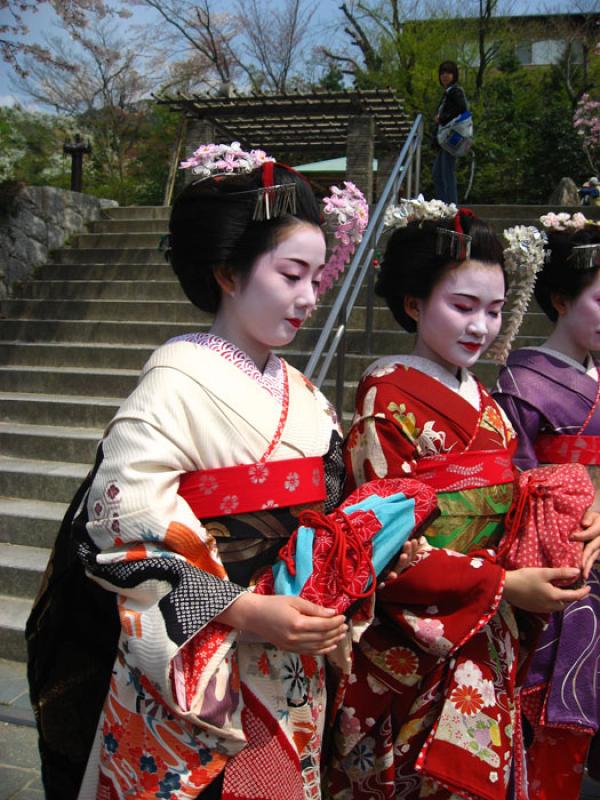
(523, 259)
(346, 216)
(346, 211)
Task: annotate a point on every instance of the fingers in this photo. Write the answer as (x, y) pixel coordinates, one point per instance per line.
(583, 536)
(314, 644)
(590, 555)
(560, 574)
(566, 596)
(311, 609)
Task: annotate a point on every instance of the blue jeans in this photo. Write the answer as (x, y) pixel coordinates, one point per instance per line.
(444, 177)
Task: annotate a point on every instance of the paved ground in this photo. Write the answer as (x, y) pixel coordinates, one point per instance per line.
(19, 760)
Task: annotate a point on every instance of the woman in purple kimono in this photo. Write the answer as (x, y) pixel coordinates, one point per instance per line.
(551, 394)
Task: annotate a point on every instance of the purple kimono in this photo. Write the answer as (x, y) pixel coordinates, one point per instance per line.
(543, 392)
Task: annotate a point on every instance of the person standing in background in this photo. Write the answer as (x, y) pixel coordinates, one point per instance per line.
(453, 103)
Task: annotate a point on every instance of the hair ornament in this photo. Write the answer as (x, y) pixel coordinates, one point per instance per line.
(523, 259)
(346, 214)
(453, 244)
(398, 216)
(565, 222)
(585, 256)
(210, 160)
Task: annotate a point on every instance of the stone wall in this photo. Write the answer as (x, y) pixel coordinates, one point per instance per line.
(37, 220)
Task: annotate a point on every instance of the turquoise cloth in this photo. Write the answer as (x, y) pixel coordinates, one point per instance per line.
(397, 516)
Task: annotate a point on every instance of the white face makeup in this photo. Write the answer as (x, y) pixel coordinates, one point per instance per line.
(577, 330)
(265, 309)
(462, 316)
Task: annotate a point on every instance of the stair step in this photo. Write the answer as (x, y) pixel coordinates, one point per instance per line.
(68, 380)
(75, 354)
(137, 212)
(53, 481)
(13, 616)
(130, 225)
(45, 409)
(106, 255)
(102, 331)
(103, 290)
(20, 440)
(107, 272)
(30, 522)
(116, 241)
(22, 568)
(114, 310)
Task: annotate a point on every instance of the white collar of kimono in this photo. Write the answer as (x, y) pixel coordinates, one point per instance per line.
(271, 379)
(589, 367)
(464, 385)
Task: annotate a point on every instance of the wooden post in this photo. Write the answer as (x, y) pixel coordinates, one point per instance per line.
(174, 162)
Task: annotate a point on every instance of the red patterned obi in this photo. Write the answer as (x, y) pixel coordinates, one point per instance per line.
(471, 469)
(553, 448)
(249, 488)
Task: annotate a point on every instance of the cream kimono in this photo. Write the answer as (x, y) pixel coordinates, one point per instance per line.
(187, 694)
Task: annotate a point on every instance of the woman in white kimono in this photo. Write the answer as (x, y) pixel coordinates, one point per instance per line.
(178, 682)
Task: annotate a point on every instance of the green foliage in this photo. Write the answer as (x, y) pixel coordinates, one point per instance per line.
(31, 151)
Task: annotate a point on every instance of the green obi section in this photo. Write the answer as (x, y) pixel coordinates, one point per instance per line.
(471, 519)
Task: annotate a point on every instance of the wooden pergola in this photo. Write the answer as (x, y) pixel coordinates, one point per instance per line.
(362, 124)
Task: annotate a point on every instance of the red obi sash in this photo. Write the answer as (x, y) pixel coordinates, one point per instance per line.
(471, 469)
(254, 487)
(556, 448)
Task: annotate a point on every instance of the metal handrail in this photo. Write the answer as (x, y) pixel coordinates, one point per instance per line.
(334, 331)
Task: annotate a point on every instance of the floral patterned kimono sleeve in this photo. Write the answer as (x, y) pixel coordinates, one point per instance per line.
(143, 542)
(380, 443)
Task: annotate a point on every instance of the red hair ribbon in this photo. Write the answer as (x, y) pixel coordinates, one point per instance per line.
(268, 174)
(462, 212)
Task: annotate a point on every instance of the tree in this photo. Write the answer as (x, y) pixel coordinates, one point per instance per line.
(199, 43)
(273, 41)
(74, 14)
(257, 44)
(102, 89)
(579, 31)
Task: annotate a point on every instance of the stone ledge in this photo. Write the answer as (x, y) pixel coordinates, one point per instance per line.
(40, 220)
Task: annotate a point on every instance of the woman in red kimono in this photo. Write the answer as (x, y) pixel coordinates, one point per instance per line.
(431, 703)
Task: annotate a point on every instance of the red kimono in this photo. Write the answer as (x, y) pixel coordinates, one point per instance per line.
(431, 702)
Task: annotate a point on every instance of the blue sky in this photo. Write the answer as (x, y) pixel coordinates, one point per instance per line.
(327, 16)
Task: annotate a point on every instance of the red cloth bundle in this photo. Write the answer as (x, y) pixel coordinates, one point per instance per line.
(548, 506)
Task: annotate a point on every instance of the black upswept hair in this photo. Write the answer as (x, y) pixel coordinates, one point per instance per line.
(411, 266)
(211, 226)
(558, 275)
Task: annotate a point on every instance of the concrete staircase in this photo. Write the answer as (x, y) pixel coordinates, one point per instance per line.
(72, 343)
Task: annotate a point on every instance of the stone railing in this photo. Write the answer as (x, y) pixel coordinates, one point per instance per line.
(37, 220)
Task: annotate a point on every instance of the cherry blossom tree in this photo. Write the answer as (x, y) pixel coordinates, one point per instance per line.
(587, 123)
(74, 14)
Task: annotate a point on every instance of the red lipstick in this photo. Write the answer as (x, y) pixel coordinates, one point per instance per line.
(296, 323)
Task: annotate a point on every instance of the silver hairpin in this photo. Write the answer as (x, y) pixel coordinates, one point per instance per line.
(453, 244)
(275, 201)
(585, 256)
